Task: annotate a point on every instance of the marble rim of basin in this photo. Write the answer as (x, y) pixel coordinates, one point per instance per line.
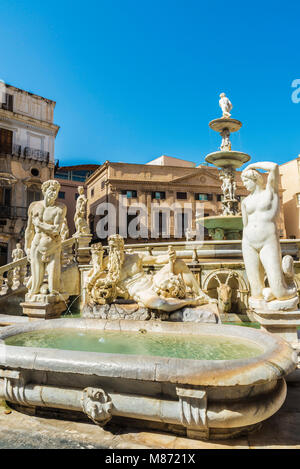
(227, 159)
(233, 125)
(208, 399)
(227, 222)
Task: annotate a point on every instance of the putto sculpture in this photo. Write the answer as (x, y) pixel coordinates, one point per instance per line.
(121, 274)
(225, 105)
(17, 253)
(81, 225)
(261, 246)
(43, 244)
(20, 271)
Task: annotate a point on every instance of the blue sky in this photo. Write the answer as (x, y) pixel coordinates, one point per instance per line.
(137, 79)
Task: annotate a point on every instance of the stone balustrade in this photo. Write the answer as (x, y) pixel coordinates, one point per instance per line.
(16, 274)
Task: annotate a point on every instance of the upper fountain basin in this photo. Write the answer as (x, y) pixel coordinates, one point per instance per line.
(233, 125)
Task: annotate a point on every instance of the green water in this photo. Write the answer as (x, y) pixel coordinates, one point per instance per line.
(138, 343)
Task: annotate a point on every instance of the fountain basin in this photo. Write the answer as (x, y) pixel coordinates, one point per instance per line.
(227, 159)
(197, 398)
(233, 125)
(223, 226)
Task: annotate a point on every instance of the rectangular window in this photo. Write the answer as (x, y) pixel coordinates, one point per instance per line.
(158, 195)
(7, 102)
(181, 195)
(298, 199)
(61, 195)
(200, 196)
(33, 195)
(184, 223)
(61, 175)
(6, 137)
(79, 175)
(129, 194)
(92, 192)
(3, 253)
(220, 197)
(5, 196)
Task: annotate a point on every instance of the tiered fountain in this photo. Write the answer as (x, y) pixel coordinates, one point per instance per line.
(229, 224)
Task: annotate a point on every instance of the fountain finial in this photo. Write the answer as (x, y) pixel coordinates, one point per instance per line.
(225, 105)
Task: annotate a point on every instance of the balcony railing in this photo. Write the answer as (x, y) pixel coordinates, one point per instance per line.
(13, 212)
(32, 153)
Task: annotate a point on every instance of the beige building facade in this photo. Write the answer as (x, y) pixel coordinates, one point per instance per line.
(161, 183)
(290, 182)
(27, 137)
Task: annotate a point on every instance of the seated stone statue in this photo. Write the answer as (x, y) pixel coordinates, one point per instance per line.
(122, 274)
(261, 246)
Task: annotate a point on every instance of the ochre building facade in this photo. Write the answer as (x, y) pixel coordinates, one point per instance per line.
(160, 183)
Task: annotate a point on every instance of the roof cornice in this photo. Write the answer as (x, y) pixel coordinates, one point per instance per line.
(28, 121)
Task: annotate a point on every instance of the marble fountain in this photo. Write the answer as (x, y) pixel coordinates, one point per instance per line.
(150, 347)
(229, 224)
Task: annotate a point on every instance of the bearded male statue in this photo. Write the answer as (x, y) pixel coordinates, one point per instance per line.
(43, 243)
(121, 274)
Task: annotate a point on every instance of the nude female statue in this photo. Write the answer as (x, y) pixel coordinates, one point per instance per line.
(261, 246)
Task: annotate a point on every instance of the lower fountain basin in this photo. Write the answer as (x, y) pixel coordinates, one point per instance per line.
(200, 398)
(223, 226)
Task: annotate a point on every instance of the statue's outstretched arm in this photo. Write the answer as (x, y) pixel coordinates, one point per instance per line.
(161, 259)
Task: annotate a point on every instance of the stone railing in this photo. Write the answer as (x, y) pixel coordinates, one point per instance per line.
(29, 152)
(14, 275)
(210, 249)
(68, 251)
(13, 211)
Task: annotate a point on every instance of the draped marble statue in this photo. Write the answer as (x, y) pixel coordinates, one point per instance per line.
(81, 224)
(121, 274)
(261, 246)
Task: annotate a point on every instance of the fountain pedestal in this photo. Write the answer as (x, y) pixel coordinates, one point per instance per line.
(280, 317)
(45, 306)
(284, 324)
(42, 310)
(83, 255)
